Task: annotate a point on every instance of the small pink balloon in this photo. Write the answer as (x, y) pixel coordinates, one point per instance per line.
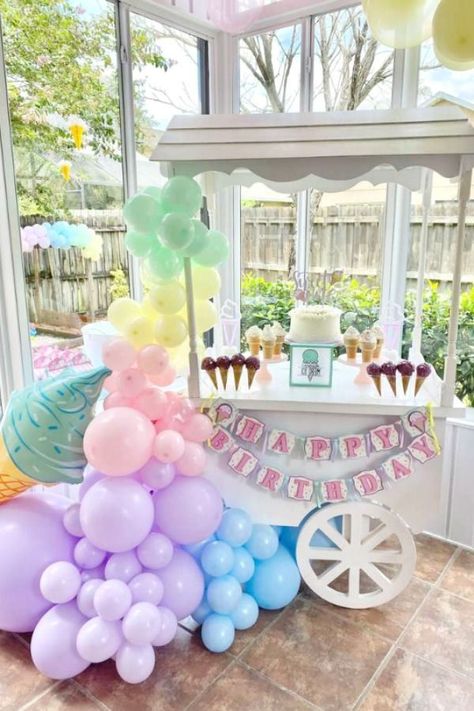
(151, 401)
(164, 423)
(167, 377)
(185, 409)
(198, 428)
(111, 383)
(117, 400)
(118, 354)
(119, 441)
(131, 382)
(168, 446)
(153, 359)
(193, 460)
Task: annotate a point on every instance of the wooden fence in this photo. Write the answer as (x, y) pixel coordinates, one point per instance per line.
(64, 289)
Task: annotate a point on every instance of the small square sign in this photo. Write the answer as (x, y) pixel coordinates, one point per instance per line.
(311, 365)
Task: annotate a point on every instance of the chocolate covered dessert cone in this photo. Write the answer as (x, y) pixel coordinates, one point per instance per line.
(422, 372)
(418, 383)
(209, 365)
(252, 364)
(392, 380)
(237, 362)
(375, 373)
(405, 382)
(378, 383)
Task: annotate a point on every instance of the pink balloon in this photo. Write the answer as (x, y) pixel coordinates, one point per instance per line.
(193, 460)
(151, 402)
(119, 441)
(198, 428)
(118, 354)
(111, 383)
(117, 400)
(153, 359)
(168, 446)
(167, 377)
(131, 382)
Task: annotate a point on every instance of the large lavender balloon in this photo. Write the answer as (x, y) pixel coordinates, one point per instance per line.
(32, 536)
(53, 645)
(183, 583)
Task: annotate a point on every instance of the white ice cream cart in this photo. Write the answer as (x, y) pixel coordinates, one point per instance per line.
(356, 553)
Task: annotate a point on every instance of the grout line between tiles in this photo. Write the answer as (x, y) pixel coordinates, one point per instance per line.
(36, 698)
(448, 565)
(90, 695)
(449, 670)
(209, 686)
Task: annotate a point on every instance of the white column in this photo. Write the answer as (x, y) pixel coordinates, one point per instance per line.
(449, 383)
(16, 368)
(415, 351)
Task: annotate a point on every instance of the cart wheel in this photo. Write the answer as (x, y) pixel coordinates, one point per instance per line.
(356, 554)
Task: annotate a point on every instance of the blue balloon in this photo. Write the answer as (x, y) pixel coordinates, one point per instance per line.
(245, 614)
(276, 581)
(217, 558)
(244, 565)
(263, 543)
(201, 612)
(217, 633)
(235, 528)
(195, 549)
(289, 537)
(223, 594)
(278, 530)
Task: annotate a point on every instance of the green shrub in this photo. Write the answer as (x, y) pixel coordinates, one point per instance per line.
(119, 284)
(264, 302)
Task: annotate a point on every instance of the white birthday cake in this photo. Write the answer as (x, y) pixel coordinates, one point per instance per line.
(316, 323)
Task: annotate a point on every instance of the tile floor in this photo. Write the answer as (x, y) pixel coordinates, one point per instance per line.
(415, 653)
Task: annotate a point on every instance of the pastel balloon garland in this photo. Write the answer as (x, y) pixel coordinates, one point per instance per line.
(407, 23)
(62, 235)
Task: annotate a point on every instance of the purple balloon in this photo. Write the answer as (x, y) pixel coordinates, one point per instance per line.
(85, 597)
(91, 477)
(146, 587)
(116, 514)
(169, 626)
(135, 664)
(99, 639)
(53, 644)
(32, 536)
(112, 600)
(71, 521)
(87, 555)
(188, 510)
(157, 475)
(155, 551)
(184, 584)
(122, 566)
(142, 623)
(93, 573)
(60, 582)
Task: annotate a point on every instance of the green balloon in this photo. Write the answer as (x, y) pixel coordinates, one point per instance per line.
(139, 244)
(181, 194)
(154, 192)
(176, 231)
(163, 264)
(199, 241)
(142, 213)
(215, 252)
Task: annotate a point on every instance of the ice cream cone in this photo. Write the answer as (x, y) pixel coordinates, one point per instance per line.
(213, 377)
(351, 345)
(367, 353)
(278, 345)
(12, 480)
(223, 372)
(405, 382)
(223, 363)
(254, 346)
(392, 380)
(252, 364)
(268, 349)
(418, 383)
(378, 383)
(237, 374)
(251, 375)
(378, 348)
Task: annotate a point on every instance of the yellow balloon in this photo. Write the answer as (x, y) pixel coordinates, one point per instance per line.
(171, 331)
(140, 331)
(400, 23)
(148, 309)
(453, 34)
(206, 282)
(206, 315)
(168, 298)
(121, 311)
(179, 357)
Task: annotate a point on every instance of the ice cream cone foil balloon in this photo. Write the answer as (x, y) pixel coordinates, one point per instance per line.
(42, 431)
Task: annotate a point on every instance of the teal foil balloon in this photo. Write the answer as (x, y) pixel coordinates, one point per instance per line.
(181, 194)
(43, 430)
(215, 252)
(142, 213)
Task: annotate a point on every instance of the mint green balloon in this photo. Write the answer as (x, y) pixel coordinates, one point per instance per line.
(142, 213)
(176, 231)
(199, 241)
(139, 244)
(154, 192)
(181, 194)
(215, 252)
(163, 264)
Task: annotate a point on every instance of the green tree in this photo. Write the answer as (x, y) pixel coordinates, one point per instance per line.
(61, 62)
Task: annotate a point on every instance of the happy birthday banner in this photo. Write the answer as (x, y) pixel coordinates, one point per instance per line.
(413, 434)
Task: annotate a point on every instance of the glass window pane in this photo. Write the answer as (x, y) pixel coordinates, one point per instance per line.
(435, 79)
(270, 71)
(351, 69)
(62, 80)
(165, 83)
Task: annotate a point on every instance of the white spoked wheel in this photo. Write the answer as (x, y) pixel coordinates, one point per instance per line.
(356, 554)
